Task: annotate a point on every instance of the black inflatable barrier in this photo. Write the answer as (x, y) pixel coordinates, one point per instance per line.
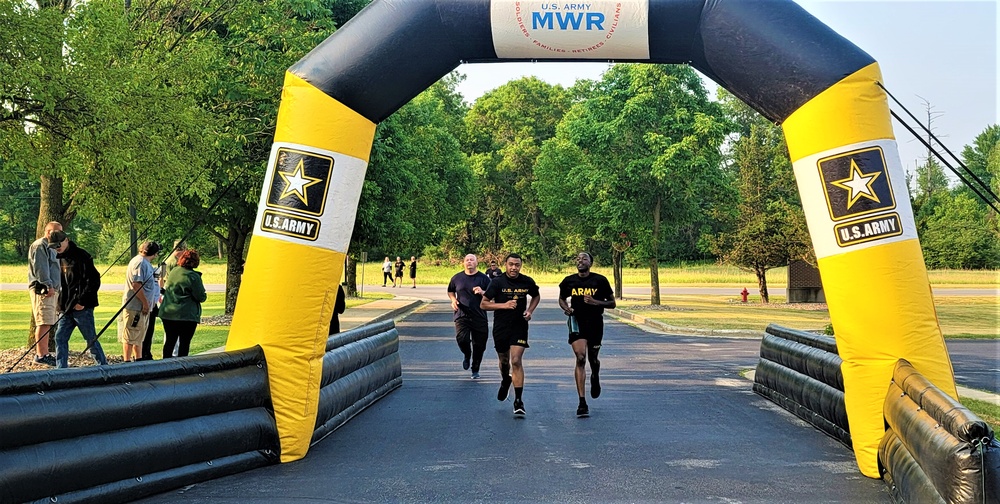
(798, 372)
(821, 341)
(935, 450)
(117, 433)
(360, 367)
(123, 491)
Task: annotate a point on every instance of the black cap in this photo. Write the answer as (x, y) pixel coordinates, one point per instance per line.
(150, 248)
(56, 239)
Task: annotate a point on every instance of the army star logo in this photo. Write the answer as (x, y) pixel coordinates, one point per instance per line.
(300, 181)
(297, 183)
(858, 184)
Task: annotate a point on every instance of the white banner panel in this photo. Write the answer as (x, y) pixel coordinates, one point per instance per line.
(598, 29)
(310, 196)
(855, 197)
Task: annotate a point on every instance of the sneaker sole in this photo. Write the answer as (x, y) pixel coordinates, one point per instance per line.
(506, 394)
(582, 415)
(519, 414)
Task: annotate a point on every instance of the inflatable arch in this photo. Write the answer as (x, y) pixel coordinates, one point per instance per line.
(775, 56)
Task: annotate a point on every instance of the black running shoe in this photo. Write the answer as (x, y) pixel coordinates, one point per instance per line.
(47, 360)
(595, 385)
(465, 364)
(583, 411)
(504, 391)
(518, 408)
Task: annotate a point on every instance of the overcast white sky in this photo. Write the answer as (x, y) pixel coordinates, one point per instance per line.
(944, 51)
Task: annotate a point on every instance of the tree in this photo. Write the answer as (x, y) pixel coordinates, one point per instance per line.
(982, 158)
(958, 235)
(17, 215)
(258, 41)
(639, 155)
(100, 105)
(418, 182)
(766, 228)
(505, 130)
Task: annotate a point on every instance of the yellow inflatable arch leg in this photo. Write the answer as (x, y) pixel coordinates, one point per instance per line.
(854, 194)
(303, 228)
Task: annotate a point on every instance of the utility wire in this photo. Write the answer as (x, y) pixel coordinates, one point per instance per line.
(988, 201)
(982, 185)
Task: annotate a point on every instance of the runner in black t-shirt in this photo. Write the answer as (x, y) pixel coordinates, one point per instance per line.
(507, 295)
(398, 266)
(493, 271)
(472, 329)
(589, 294)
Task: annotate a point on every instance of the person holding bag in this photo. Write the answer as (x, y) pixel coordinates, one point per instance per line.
(183, 294)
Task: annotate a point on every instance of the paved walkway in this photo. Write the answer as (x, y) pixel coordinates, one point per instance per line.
(401, 306)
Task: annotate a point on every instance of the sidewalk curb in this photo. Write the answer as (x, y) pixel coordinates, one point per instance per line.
(399, 312)
(412, 305)
(685, 331)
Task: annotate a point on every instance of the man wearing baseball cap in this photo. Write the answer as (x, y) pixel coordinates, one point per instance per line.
(141, 291)
(44, 281)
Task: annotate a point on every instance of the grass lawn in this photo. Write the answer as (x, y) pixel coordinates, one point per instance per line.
(989, 412)
(959, 316)
(694, 274)
(15, 313)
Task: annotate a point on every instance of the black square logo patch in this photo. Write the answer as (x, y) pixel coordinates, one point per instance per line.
(300, 181)
(856, 183)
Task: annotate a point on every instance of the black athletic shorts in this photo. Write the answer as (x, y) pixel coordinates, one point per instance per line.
(506, 336)
(591, 330)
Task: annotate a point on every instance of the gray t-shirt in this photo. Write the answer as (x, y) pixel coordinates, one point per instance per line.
(139, 270)
(43, 265)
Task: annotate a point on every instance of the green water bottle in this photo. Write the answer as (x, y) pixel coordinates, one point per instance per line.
(574, 328)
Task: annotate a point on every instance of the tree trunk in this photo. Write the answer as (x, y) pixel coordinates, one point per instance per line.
(50, 207)
(616, 260)
(351, 277)
(762, 284)
(654, 265)
(234, 266)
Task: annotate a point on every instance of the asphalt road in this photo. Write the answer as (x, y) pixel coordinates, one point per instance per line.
(976, 363)
(675, 423)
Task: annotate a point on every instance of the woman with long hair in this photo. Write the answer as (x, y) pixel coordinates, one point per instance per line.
(183, 294)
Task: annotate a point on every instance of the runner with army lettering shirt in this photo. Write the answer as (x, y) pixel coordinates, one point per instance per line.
(508, 296)
(589, 294)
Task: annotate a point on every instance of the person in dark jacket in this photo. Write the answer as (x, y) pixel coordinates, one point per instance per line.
(77, 300)
(338, 307)
(183, 294)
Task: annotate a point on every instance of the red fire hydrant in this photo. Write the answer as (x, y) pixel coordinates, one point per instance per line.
(745, 293)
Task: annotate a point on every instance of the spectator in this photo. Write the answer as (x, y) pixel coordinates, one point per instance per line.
(43, 288)
(387, 272)
(77, 300)
(140, 287)
(338, 307)
(183, 294)
(160, 275)
(413, 271)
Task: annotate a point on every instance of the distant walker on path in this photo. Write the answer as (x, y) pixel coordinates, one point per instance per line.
(413, 271)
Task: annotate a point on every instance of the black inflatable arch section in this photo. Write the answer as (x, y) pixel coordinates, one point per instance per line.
(361, 64)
